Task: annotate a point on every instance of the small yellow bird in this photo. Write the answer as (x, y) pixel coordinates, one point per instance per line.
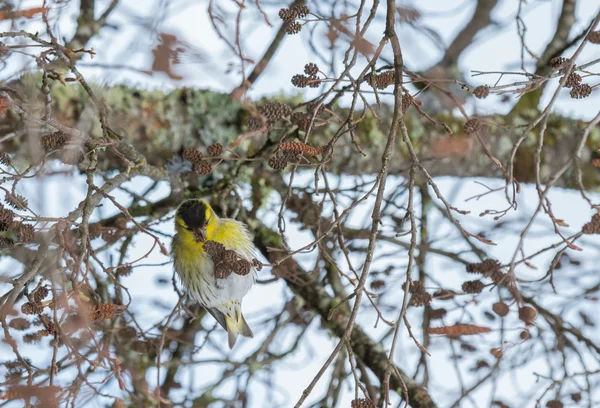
(196, 223)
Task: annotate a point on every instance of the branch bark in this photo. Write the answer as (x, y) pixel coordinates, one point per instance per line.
(197, 118)
(367, 350)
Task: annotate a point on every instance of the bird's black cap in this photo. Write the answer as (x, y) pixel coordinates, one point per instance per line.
(193, 213)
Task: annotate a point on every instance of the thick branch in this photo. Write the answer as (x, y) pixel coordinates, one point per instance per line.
(370, 352)
(560, 39)
(158, 125)
(480, 20)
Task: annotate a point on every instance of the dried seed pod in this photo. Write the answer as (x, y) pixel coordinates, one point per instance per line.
(124, 270)
(287, 15)
(581, 91)
(40, 294)
(481, 92)
(291, 155)
(293, 28)
(203, 168)
(257, 264)
(525, 335)
(302, 120)
(277, 162)
(407, 101)
(55, 141)
(127, 332)
(275, 111)
(592, 227)
(415, 287)
(215, 149)
(385, 79)
(573, 80)
(501, 309)
(486, 267)
(30, 308)
(5, 159)
(222, 272)
(499, 277)
(16, 201)
(121, 223)
(527, 314)
(312, 106)
(141, 346)
(6, 243)
(229, 257)
(300, 81)
(192, 155)
(110, 236)
(314, 82)
(102, 311)
(362, 403)
(472, 126)
(214, 249)
(44, 333)
(475, 286)
(371, 79)
(242, 267)
(6, 217)
(32, 338)
(377, 285)
(557, 61)
(94, 230)
(254, 124)
(26, 233)
(300, 10)
(420, 299)
(311, 69)
(594, 37)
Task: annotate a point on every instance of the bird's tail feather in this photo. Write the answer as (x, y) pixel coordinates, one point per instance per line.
(235, 325)
(245, 330)
(219, 316)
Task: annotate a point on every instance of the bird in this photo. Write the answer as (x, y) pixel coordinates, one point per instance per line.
(197, 225)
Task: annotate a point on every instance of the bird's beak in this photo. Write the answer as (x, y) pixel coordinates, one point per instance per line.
(199, 234)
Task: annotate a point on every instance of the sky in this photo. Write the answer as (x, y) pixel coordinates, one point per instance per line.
(206, 70)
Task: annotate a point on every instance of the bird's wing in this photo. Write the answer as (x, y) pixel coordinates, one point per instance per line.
(219, 316)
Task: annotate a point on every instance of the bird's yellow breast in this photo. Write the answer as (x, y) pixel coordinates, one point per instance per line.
(224, 231)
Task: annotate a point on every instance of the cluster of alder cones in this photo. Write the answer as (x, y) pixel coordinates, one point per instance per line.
(579, 90)
(227, 261)
(272, 112)
(200, 166)
(70, 152)
(11, 230)
(310, 77)
(290, 15)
